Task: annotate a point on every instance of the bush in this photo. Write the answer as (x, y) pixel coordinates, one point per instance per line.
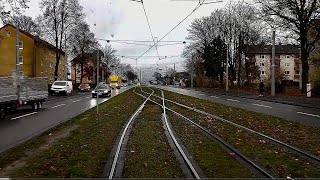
(315, 80)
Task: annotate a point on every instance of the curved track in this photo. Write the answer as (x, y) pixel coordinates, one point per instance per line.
(250, 164)
(293, 149)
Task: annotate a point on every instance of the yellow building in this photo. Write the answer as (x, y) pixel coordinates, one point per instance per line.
(37, 57)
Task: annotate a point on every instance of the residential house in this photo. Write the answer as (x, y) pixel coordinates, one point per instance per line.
(37, 57)
(287, 62)
(89, 70)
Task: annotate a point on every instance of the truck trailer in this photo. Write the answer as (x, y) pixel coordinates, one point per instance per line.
(32, 92)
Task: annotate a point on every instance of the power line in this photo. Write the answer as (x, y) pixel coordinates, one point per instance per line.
(145, 13)
(197, 7)
(126, 40)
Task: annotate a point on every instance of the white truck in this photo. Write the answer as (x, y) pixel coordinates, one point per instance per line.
(32, 91)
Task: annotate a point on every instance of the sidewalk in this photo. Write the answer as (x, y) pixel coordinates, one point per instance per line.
(290, 100)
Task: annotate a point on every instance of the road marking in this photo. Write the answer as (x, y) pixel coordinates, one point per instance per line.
(58, 106)
(88, 97)
(24, 116)
(260, 105)
(314, 115)
(233, 100)
(77, 100)
(215, 97)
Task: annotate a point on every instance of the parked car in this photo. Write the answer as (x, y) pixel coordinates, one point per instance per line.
(61, 87)
(84, 87)
(102, 91)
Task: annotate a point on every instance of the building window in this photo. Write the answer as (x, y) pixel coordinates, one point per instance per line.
(262, 56)
(288, 57)
(21, 59)
(297, 72)
(286, 64)
(21, 45)
(263, 72)
(21, 73)
(262, 64)
(41, 62)
(8, 34)
(287, 72)
(50, 64)
(42, 74)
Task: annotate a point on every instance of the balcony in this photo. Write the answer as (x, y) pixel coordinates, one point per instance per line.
(297, 68)
(297, 60)
(297, 76)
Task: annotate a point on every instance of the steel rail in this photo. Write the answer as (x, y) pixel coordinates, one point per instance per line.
(185, 158)
(115, 159)
(220, 140)
(276, 141)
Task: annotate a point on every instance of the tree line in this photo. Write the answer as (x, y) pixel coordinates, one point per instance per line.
(228, 32)
(62, 23)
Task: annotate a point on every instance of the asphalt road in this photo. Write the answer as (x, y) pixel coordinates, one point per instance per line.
(26, 123)
(308, 116)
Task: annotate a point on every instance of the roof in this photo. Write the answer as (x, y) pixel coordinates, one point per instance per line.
(267, 49)
(35, 38)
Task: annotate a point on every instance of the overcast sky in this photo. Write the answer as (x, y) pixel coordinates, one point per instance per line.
(125, 20)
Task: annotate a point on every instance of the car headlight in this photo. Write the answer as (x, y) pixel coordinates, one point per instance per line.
(106, 91)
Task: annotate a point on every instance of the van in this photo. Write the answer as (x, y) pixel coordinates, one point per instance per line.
(61, 87)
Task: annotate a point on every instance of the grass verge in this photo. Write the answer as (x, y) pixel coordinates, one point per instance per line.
(82, 152)
(282, 163)
(148, 153)
(211, 158)
(294, 133)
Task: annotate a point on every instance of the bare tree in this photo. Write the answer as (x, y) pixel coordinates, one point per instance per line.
(82, 42)
(26, 23)
(59, 16)
(299, 16)
(11, 8)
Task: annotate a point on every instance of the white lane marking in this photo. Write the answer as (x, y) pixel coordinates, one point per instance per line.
(24, 116)
(77, 100)
(260, 105)
(215, 97)
(233, 100)
(58, 106)
(314, 115)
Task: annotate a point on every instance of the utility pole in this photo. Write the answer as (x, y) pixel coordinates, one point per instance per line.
(66, 58)
(300, 71)
(98, 64)
(227, 69)
(17, 58)
(273, 66)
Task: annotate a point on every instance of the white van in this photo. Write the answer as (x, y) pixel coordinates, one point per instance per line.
(61, 87)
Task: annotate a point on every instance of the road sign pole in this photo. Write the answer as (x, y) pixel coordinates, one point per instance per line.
(98, 63)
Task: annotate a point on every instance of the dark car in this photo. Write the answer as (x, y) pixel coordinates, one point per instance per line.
(84, 87)
(102, 91)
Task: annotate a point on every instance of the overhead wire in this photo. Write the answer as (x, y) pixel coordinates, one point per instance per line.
(197, 7)
(145, 13)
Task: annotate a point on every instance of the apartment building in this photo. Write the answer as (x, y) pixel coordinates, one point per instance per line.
(37, 57)
(287, 62)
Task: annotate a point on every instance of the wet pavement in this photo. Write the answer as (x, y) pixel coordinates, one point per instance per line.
(26, 124)
(305, 115)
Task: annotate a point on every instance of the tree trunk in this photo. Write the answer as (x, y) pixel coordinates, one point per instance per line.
(81, 72)
(304, 61)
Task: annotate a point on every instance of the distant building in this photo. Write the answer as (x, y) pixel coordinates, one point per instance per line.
(89, 70)
(37, 57)
(287, 61)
